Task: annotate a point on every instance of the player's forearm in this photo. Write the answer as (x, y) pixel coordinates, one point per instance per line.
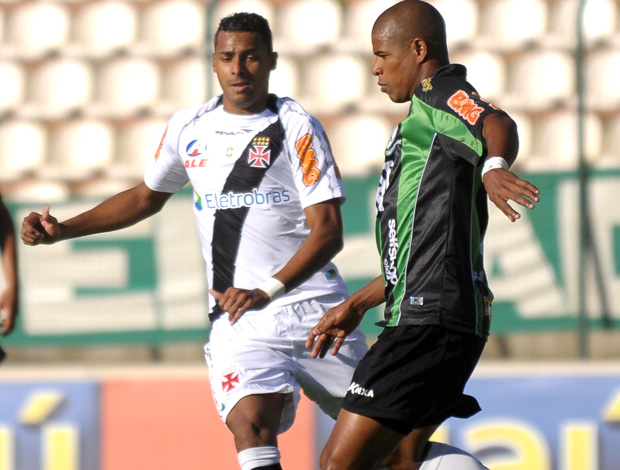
(9, 260)
(120, 211)
(369, 296)
(323, 243)
(8, 247)
(316, 252)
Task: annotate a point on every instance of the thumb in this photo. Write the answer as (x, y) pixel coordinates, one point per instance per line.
(216, 295)
(46, 214)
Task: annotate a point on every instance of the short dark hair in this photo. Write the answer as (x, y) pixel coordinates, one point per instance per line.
(247, 22)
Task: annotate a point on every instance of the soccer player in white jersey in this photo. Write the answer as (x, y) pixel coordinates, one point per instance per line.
(267, 204)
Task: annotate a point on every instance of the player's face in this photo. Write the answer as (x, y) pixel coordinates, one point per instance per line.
(396, 67)
(242, 63)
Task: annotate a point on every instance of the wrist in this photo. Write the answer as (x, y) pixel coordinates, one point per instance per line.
(494, 162)
(273, 287)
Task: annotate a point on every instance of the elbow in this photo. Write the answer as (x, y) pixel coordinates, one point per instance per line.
(336, 243)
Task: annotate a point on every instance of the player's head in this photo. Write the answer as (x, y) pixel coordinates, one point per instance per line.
(409, 43)
(242, 60)
(248, 23)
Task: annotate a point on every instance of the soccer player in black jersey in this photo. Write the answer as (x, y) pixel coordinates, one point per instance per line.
(452, 151)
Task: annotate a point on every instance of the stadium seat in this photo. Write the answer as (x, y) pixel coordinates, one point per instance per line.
(610, 152)
(13, 79)
(358, 142)
(59, 87)
(461, 17)
(304, 26)
(126, 86)
(556, 141)
(35, 29)
(512, 24)
(284, 80)
(359, 17)
(80, 149)
(104, 28)
(602, 69)
(169, 28)
(224, 8)
(332, 82)
(541, 80)
(3, 53)
(100, 187)
(137, 142)
(486, 71)
(23, 147)
(599, 23)
(185, 83)
(37, 192)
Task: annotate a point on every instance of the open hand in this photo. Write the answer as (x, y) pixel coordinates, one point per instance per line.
(503, 185)
(332, 329)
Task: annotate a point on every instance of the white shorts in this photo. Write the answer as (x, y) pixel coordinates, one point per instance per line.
(264, 352)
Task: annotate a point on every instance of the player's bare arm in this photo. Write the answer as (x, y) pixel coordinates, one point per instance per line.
(340, 321)
(8, 297)
(502, 185)
(120, 211)
(323, 243)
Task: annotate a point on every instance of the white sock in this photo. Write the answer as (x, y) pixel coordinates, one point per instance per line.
(258, 457)
(444, 457)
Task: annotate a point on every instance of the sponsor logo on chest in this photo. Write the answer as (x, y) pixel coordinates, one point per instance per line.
(194, 151)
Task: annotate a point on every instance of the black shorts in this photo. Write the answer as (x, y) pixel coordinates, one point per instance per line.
(414, 376)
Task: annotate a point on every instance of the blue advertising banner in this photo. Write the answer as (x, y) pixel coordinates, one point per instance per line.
(49, 425)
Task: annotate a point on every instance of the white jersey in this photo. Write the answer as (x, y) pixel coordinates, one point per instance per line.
(252, 175)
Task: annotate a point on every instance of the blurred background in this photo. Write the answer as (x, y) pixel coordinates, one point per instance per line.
(87, 87)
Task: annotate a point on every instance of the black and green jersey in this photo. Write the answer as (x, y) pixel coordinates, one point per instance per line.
(432, 209)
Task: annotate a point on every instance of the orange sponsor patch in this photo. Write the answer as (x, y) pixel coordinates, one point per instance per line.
(161, 143)
(308, 161)
(465, 107)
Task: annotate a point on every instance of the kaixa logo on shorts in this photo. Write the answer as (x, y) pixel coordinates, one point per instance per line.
(357, 389)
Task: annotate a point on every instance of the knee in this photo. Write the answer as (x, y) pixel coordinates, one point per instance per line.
(329, 461)
(247, 434)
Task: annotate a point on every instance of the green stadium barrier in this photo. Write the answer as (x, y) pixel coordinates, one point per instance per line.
(146, 284)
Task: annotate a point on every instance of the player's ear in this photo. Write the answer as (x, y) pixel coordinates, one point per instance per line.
(274, 61)
(419, 49)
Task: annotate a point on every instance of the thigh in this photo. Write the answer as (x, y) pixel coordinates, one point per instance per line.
(325, 381)
(250, 364)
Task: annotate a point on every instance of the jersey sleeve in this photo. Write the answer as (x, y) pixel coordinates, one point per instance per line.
(315, 172)
(165, 172)
(456, 112)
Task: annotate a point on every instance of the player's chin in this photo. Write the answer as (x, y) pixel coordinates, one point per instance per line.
(396, 98)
